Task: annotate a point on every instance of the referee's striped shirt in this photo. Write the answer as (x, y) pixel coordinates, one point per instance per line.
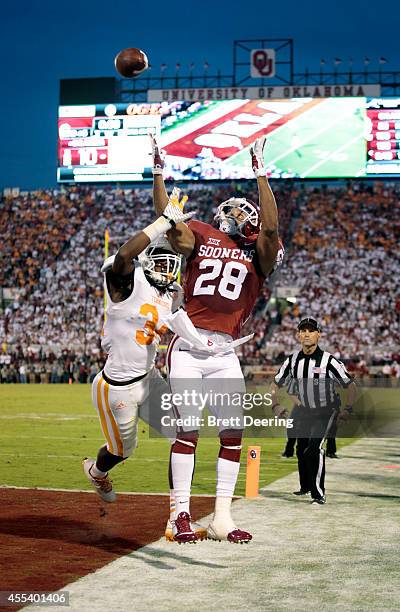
(312, 378)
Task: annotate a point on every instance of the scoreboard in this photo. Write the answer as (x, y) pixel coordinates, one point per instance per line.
(210, 139)
(106, 142)
(383, 136)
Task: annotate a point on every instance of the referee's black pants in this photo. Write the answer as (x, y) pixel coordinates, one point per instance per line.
(313, 429)
(292, 432)
(331, 440)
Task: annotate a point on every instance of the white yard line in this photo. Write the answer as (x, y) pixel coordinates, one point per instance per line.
(92, 492)
(48, 415)
(339, 557)
(292, 123)
(193, 125)
(312, 137)
(78, 456)
(339, 150)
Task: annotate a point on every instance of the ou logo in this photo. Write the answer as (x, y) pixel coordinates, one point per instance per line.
(262, 63)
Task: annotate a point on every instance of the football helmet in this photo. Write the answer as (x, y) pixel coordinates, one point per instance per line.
(160, 263)
(244, 225)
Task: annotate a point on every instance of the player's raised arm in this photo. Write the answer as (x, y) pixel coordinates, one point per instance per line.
(268, 239)
(171, 216)
(180, 237)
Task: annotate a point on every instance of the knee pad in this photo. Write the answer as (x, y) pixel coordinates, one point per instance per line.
(128, 433)
(185, 443)
(230, 444)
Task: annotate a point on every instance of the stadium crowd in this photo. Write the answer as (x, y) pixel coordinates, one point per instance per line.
(341, 254)
(344, 259)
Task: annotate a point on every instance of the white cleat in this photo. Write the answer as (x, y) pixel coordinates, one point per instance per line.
(227, 531)
(199, 530)
(102, 486)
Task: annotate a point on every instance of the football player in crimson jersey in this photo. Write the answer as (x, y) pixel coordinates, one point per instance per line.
(226, 266)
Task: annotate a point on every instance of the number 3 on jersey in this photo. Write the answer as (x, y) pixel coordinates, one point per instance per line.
(230, 284)
(146, 336)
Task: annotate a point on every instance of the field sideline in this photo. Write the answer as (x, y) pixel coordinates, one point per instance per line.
(339, 557)
(46, 430)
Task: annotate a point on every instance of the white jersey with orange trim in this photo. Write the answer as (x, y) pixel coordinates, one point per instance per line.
(132, 330)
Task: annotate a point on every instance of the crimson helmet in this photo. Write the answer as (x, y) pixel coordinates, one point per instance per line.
(229, 224)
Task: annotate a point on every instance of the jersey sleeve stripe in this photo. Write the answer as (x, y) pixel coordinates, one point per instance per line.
(283, 373)
(339, 372)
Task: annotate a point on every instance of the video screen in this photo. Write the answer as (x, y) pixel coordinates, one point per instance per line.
(210, 140)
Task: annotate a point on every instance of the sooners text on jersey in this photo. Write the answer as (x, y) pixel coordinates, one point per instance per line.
(222, 280)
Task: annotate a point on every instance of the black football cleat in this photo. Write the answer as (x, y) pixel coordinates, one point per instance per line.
(319, 501)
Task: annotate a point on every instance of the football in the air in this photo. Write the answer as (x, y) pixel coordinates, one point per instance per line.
(131, 62)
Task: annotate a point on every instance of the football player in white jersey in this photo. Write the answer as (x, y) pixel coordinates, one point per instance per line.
(140, 293)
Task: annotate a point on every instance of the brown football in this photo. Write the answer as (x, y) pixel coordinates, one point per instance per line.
(131, 62)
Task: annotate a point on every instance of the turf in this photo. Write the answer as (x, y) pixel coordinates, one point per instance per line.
(46, 430)
(327, 140)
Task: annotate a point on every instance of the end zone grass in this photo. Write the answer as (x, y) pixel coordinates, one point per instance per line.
(46, 430)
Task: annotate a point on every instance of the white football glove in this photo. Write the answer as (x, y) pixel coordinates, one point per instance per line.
(158, 158)
(174, 209)
(172, 215)
(257, 157)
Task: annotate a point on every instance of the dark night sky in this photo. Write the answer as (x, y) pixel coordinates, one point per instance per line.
(42, 42)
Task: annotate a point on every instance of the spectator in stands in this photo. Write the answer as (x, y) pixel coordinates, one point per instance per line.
(344, 240)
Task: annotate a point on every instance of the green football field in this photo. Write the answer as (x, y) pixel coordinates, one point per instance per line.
(46, 430)
(328, 140)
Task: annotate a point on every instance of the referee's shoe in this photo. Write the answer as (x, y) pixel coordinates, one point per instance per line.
(319, 501)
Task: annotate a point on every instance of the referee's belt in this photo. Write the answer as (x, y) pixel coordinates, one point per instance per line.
(122, 383)
(327, 408)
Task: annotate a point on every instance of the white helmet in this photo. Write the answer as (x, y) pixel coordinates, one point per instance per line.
(228, 224)
(160, 254)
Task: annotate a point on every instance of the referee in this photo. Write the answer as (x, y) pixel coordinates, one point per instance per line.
(311, 375)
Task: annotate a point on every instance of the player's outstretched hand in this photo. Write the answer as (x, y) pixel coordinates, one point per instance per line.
(280, 411)
(158, 158)
(343, 416)
(173, 212)
(257, 156)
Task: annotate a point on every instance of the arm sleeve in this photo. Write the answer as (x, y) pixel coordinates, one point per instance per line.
(283, 375)
(337, 371)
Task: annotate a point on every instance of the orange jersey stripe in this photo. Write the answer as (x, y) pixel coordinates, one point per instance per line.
(102, 417)
(120, 448)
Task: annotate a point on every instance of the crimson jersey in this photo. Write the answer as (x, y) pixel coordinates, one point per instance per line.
(222, 280)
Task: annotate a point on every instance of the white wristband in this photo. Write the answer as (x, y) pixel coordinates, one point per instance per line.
(157, 229)
(260, 172)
